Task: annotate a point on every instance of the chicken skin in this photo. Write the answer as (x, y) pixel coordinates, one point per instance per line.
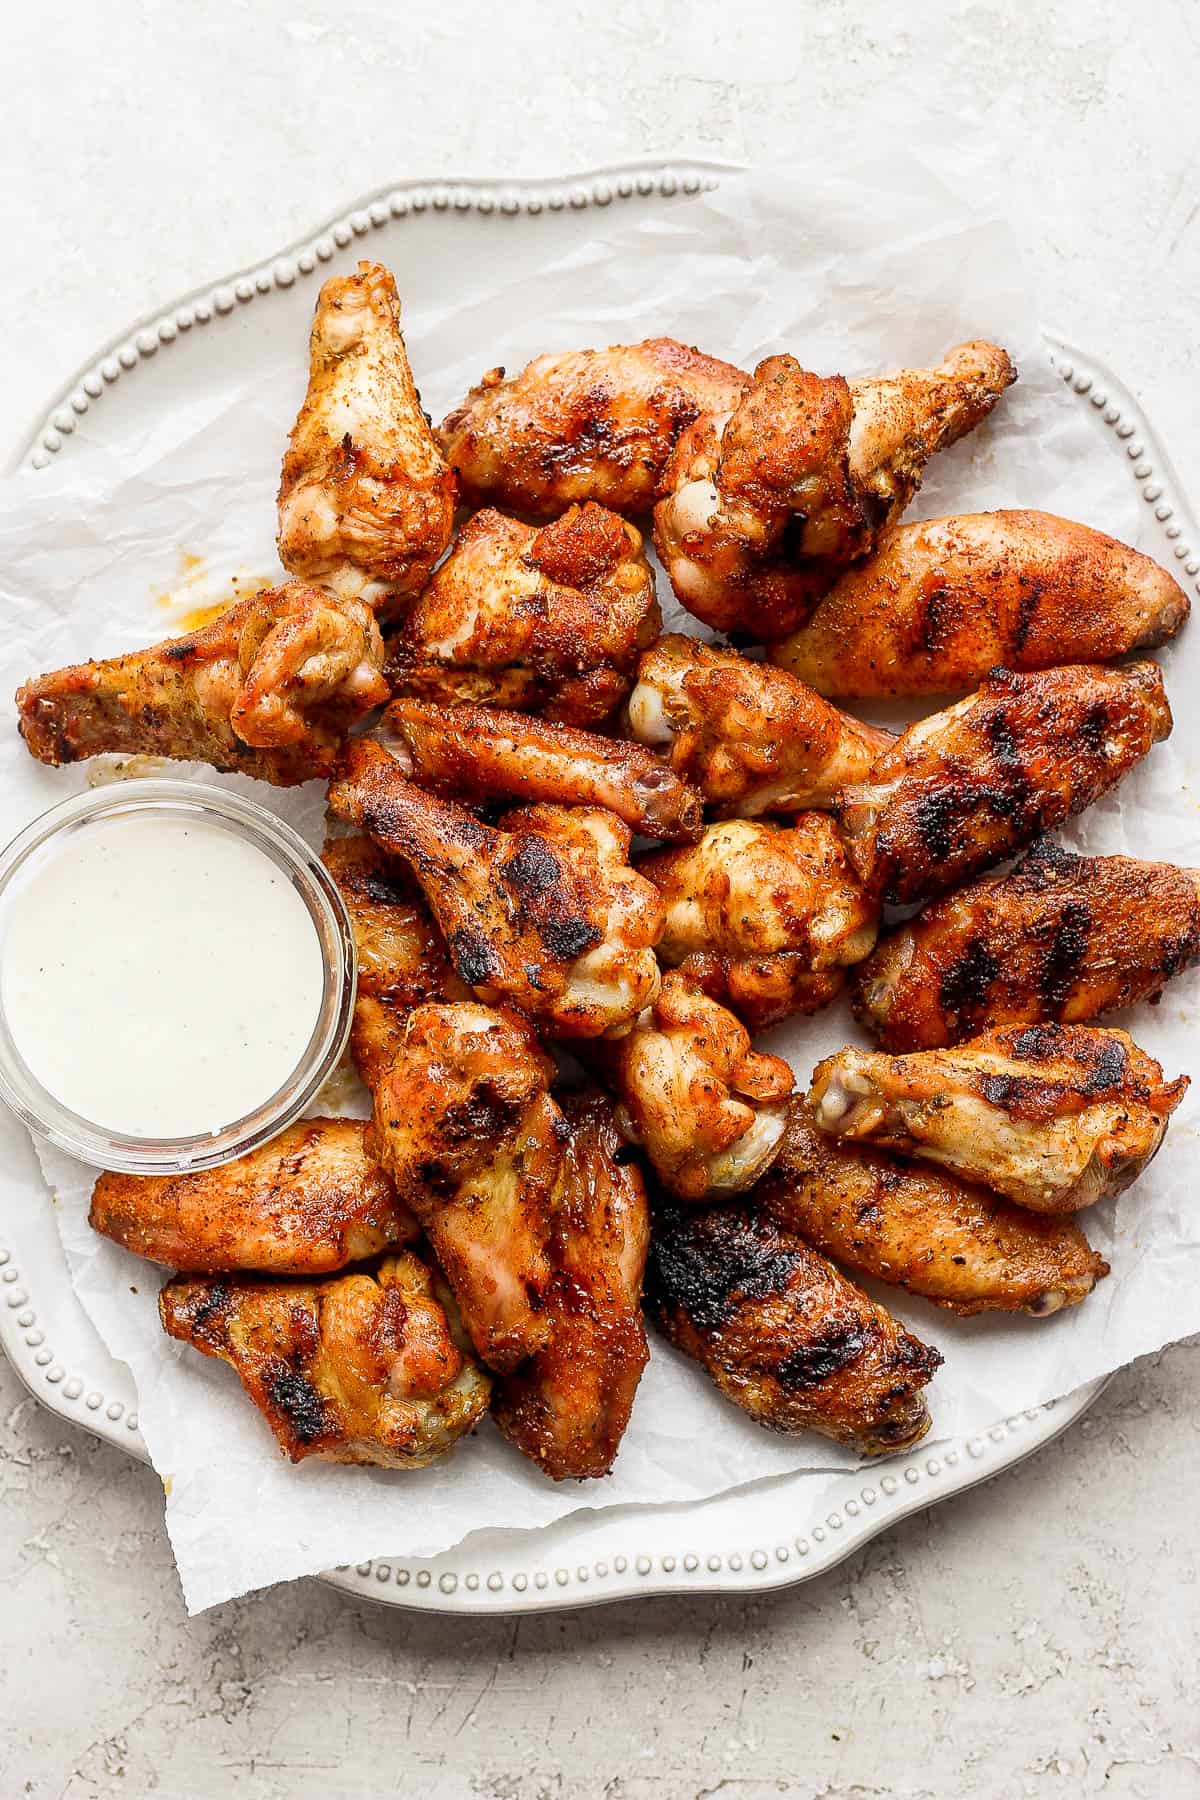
(1052, 1116)
(482, 753)
(944, 601)
(270, 688)
(543, 913)
(923, 1229)
(366, 499)
(360, 1369)
(782, 1333)
(707, 1109)
(764, 917)
(752, 739)
(307, 1203)
(587, 425)
(1063, 939)
(567, 1408)
(465, 1126)
(970, 786)
(549, 621)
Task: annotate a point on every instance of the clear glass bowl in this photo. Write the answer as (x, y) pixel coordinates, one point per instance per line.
(43, 1113)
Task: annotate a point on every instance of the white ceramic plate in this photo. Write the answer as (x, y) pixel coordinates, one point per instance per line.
(749, 1539)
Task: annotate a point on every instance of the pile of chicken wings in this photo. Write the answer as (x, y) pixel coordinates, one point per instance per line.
(484, 1241)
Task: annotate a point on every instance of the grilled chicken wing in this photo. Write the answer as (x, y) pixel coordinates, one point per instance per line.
(923, 1229)
(548, 621)
(944, 601)
(783, 1334)
(706, 1107)
(544, 913)
(1062, 939)
(587, 425)
(360, 1369)
(308, 1202)
(482, 753)
(764, 917)
(567, 1408)
(972, 785)
(270, 689)
(466, 1128)
(366, 499)
(751, 738)
(1052, 1116)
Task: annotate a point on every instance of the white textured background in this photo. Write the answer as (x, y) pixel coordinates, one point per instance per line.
(1036, 1637)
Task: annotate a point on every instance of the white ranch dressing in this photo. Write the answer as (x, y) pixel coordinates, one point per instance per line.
(160, 975)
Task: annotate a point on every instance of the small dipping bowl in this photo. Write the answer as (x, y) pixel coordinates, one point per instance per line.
(62, 832)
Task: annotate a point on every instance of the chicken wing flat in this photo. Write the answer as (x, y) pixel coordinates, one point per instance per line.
(549, 621)
(944, 601)
(543, 913)
(585, 425)
(751, 738)
(970, 786)
(466, 1128)
(764, 917)
(308, 1202)
(360, 1369)
(366, 499)
(482, 753)
(1063, 939)
(567, 1408)
(923, 1229)
(1052, 1116)
(782, 1333)
(270, 688)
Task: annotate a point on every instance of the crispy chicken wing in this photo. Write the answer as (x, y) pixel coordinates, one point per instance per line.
(308, 1202)
(567, 1408)
(764, 917)
(1062, 939)
(270, 688)
(923, 1229)
(944, 601)
(549, 621)
(783, 1334)
(360, 1369)
(482, 753)
(751, 738)
(587, 425)
(1053, 1116)
(466, 1128)
(972, 785)
(366, 499)
(544, 912)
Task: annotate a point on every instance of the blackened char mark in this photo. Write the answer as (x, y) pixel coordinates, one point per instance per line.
(709, 1264)
(1065, 954)
(474, 959)
(966, 984)
(297, 1399)
(834, 1346)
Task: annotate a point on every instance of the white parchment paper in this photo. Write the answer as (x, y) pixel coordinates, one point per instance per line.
(879, 265)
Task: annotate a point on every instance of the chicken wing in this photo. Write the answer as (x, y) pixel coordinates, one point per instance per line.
(765, 918)
(465, 1126)
(944, 601)
(549, 621)
(972, 785)
(751, 738)
(1062, 939)
(923, 1229)
(587, 425)
(270, 688)
(366, 499)
(783, 1334)
(544, 913)
(1052, 1116)
(567, 1408)
(360, 1369)
(308, 1202)
(481, 753)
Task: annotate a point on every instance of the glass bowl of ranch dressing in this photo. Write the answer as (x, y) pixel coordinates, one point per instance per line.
(176, 976)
